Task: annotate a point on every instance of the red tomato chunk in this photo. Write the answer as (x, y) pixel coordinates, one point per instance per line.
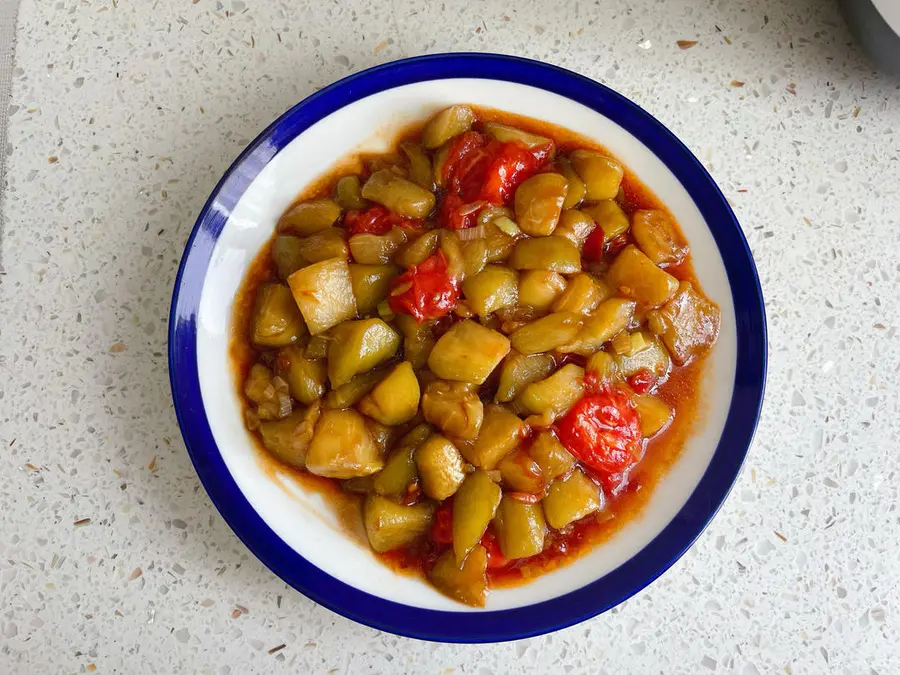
(376, 220)
(482, 170)
(511, 165)
(643, 381)
(425, 291)
(593, 245)
(464, 153)
(603, 431)
(455, 214)
(616, 244)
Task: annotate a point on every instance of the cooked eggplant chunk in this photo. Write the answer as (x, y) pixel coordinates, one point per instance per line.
(486, 339)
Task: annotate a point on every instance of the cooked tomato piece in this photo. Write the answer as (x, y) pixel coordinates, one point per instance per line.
(463, 153)
(615, 245)
(643, 381)
(442, 527)
(495, 558)
(455, 214)
(480, 170)
(510, 165)
(473, 171)
(593, 245)
(376, 220)
(603, 431)
(425, 291)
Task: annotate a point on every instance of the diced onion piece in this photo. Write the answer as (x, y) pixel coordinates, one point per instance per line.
(282, 395)
(284, 405)
(621, 343)
(638, 343)
(471, 233)
(470, 208)
(629, 344)
(507, 225)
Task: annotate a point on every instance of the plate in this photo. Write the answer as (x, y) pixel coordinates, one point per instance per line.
(291, 530)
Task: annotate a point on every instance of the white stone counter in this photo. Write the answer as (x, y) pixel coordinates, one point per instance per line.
(124, 114)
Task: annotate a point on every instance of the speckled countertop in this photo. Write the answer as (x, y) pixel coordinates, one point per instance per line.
(123, 116)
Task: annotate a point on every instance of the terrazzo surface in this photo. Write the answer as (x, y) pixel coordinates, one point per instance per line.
(123, 116)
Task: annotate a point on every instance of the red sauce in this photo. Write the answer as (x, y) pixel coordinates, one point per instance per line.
(681, 391)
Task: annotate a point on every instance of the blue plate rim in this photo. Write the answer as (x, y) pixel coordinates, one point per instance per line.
(487, 626)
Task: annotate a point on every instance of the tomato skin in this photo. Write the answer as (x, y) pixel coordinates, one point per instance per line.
(442, 528)
(643, 381)
(461, 157)
(616, 244)
(511, 165)
(473, 173)
(593, 245)
(495, 559)
(428, 291)
(479, 169)
(603, 431)
(376, 220)
(455, 214)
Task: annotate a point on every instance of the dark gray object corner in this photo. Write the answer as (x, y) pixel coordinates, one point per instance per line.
(873, 33)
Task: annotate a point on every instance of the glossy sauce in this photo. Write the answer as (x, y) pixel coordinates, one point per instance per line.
(681, 391)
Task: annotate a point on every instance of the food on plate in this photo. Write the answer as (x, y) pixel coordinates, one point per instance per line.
(492, 337)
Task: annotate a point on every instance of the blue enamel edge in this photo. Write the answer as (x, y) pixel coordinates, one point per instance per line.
(487, 626)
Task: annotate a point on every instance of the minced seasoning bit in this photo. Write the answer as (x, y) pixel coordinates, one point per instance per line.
(737, 83)
(780, 536)
(277, 649)
(82, 522)
(686, 44)
(134, 575)
(236, 614)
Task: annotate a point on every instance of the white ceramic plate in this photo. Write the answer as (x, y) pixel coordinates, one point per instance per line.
(241, 218)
